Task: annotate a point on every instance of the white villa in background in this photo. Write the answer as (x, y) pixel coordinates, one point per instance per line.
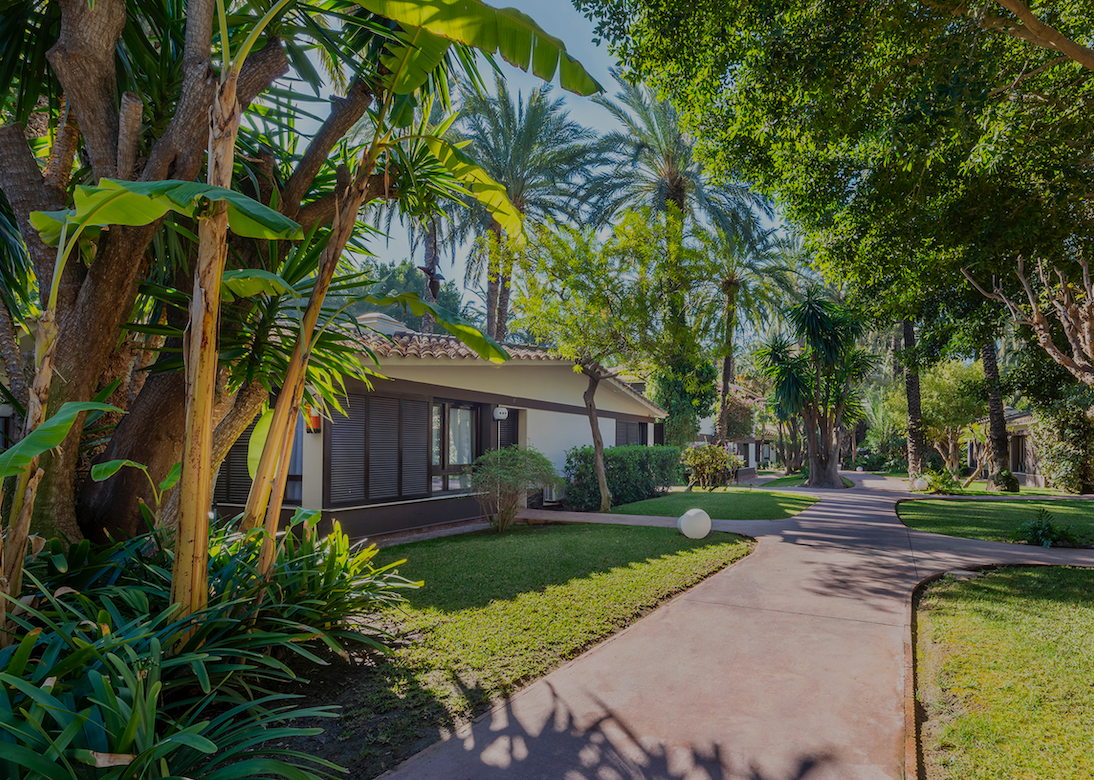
(398, 460)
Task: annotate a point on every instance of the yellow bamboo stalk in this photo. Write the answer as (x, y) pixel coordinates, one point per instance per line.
(189, 579)
(13, 553)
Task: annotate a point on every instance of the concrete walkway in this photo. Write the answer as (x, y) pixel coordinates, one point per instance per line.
(789, 665)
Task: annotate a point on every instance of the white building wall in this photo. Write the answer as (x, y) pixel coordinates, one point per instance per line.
(553, 433)
(312, 480)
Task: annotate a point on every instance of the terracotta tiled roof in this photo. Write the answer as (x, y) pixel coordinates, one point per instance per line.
(422, 345)
(434, 346)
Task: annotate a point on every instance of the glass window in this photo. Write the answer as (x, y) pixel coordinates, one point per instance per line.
(454, 444)
(460, 445)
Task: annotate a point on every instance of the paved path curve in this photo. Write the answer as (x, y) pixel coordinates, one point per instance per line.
(789, 665)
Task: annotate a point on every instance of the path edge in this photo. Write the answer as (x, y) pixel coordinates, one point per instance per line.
(913, 753)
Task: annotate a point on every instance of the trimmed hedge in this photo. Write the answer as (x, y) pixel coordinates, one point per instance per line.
(634, 472)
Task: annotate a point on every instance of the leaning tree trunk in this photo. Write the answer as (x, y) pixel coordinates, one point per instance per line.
(917, 445)
(598, 440)
(493, 277)
(997, 421)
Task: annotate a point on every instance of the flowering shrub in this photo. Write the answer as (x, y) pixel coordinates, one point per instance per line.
(711, 464)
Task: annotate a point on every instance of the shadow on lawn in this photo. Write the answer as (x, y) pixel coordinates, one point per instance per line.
(470, 571)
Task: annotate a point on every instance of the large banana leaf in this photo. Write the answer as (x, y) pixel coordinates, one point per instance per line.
(505, 31)
(485, 190)
(141, 203)
(46, 436)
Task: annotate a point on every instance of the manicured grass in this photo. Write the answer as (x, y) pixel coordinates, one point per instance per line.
(993, 521)
(980, 488)
(732, 503)
(1004, 668)
(793, 480)
(495, 612)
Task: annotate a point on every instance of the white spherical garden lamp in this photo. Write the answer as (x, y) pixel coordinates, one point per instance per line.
(694, 524)
(920, 484)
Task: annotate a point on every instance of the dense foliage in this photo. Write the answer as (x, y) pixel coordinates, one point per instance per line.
(1063, 440)
(103, 672)
(634, 473)
(711, 464)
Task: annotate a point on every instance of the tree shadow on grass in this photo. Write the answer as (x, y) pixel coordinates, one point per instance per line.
(472, 570)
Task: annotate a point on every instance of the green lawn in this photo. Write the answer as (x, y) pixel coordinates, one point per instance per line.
(980, 488)
(992, 520)
(733, 503)
(1004, 669)
(495, 612)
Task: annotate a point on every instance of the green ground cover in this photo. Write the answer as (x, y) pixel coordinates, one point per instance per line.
(1004, 665)
(993, 521)
(495, 612)
(732, 503)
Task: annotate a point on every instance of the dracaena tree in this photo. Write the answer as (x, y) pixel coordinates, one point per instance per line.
(816, 371)
(92, 246)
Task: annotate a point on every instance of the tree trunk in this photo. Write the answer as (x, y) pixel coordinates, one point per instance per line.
(895, 366)
(598, 440)
(151, 434)
(493, 277)
(917, 446)
(997, 421)
(13, 365)
(729, 371)
(432, 261)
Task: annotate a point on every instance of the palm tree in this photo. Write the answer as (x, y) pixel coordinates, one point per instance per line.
(753, 279)
(652, 163)
(540, 156)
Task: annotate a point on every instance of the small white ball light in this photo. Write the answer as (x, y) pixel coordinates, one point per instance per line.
(694, 524)
(920, 484)
(858, 468)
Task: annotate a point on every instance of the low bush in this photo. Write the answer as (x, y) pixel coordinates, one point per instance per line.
(942, 481)
(1003, 481)
(634, 473)
(1043, 531)
(711, 464)
(500, 479)
(873, 461)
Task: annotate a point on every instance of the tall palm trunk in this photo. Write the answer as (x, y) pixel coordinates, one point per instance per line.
(432, 261)
(730, 288)
(501, 324)
(493, 277)
(997, 421)
(917, 445)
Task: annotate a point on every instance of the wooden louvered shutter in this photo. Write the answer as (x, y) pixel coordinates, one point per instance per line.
(347, 452)
(620, 433)
(383, 448)
(233, 482)
(415, 429)
(507, 430)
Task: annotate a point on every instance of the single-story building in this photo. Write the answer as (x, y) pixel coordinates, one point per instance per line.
(397, 461)
(1021, 454)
